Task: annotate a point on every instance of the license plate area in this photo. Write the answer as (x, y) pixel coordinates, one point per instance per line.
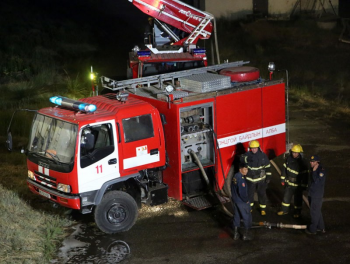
(45, 194)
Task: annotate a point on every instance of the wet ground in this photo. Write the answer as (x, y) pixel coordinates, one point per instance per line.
(172, 233)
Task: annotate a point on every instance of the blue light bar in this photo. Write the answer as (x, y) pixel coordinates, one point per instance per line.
(73, 104)
(199, 51)
(90, 108)
(144, 53)
(53, 100)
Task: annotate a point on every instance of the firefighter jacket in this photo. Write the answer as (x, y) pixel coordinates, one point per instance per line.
(239, 189)
(295, 172)
(316, 182)
(259, 167)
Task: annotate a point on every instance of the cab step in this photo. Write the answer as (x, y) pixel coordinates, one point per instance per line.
(198, 203)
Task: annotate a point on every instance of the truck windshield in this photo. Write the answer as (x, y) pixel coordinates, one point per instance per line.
(53, 138)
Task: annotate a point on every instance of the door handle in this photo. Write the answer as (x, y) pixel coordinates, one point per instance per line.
(112, 161)
(153, 151)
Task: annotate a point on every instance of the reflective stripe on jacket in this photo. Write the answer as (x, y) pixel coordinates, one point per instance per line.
(295, 171)
(259, 167)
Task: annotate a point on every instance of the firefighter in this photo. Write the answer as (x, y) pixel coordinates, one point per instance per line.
(241, 203)
(148, 35)
(316, 191)
(294, 177)
(259, 174)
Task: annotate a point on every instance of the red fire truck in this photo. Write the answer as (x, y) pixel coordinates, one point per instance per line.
(170, 38)
(171, 135)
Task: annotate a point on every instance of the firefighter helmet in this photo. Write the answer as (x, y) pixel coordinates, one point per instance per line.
(254, 144)
(297, 148)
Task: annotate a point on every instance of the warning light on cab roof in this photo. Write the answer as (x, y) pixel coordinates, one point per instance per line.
(73, 104)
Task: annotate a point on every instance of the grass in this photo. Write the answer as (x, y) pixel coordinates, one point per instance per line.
(76, 88)
(30, 229)
(27, 235)
(302, 96)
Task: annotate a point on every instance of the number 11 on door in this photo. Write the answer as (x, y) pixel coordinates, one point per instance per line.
(99, 169)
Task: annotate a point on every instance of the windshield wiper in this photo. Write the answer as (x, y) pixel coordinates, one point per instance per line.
(34, 153)
(53, 156)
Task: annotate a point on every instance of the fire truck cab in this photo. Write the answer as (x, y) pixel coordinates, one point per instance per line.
(74, 158)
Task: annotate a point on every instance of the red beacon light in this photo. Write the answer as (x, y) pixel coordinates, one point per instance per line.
(73, 104)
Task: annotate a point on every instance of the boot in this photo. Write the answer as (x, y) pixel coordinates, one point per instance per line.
(247, 235)
(236, 233)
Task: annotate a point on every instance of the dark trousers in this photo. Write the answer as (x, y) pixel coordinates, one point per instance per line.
(289, 191)
(242, 211)
(260, 188)
(316, 214)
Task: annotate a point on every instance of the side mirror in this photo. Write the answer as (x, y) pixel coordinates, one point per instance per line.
(9, 141)
(88, 141)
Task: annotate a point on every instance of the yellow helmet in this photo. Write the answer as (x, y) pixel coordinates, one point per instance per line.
(297, 148)
(254, 144)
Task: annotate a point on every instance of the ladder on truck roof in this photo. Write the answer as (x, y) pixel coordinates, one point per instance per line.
(114, 85)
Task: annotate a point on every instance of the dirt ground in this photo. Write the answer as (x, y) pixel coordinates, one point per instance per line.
(172, 233)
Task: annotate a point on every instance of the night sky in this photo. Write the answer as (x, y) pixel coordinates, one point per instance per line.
(111, 27)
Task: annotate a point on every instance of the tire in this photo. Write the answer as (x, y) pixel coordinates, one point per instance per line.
(116, 213)
(228, 181)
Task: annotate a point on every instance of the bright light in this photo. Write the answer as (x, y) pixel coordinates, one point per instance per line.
(64, 188)
(90, 108)
(92, 76)
(31, 175)
(271, 67)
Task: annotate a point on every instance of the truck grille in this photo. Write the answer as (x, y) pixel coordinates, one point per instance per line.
(45, 180)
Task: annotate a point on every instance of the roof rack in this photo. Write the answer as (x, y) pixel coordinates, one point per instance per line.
(114, 85)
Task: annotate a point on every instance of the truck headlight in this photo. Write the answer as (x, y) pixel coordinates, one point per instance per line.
(64, 188)
(31, 175)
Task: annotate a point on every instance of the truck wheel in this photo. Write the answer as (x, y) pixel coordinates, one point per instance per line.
(117, 212)
(228, 181)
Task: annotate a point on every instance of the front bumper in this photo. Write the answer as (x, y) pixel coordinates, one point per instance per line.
(66, 200)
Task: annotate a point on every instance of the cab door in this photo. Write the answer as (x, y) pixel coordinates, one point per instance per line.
(141, 144)
(98, 163)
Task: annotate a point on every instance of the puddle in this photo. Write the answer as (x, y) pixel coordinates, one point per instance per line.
(90, 246)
